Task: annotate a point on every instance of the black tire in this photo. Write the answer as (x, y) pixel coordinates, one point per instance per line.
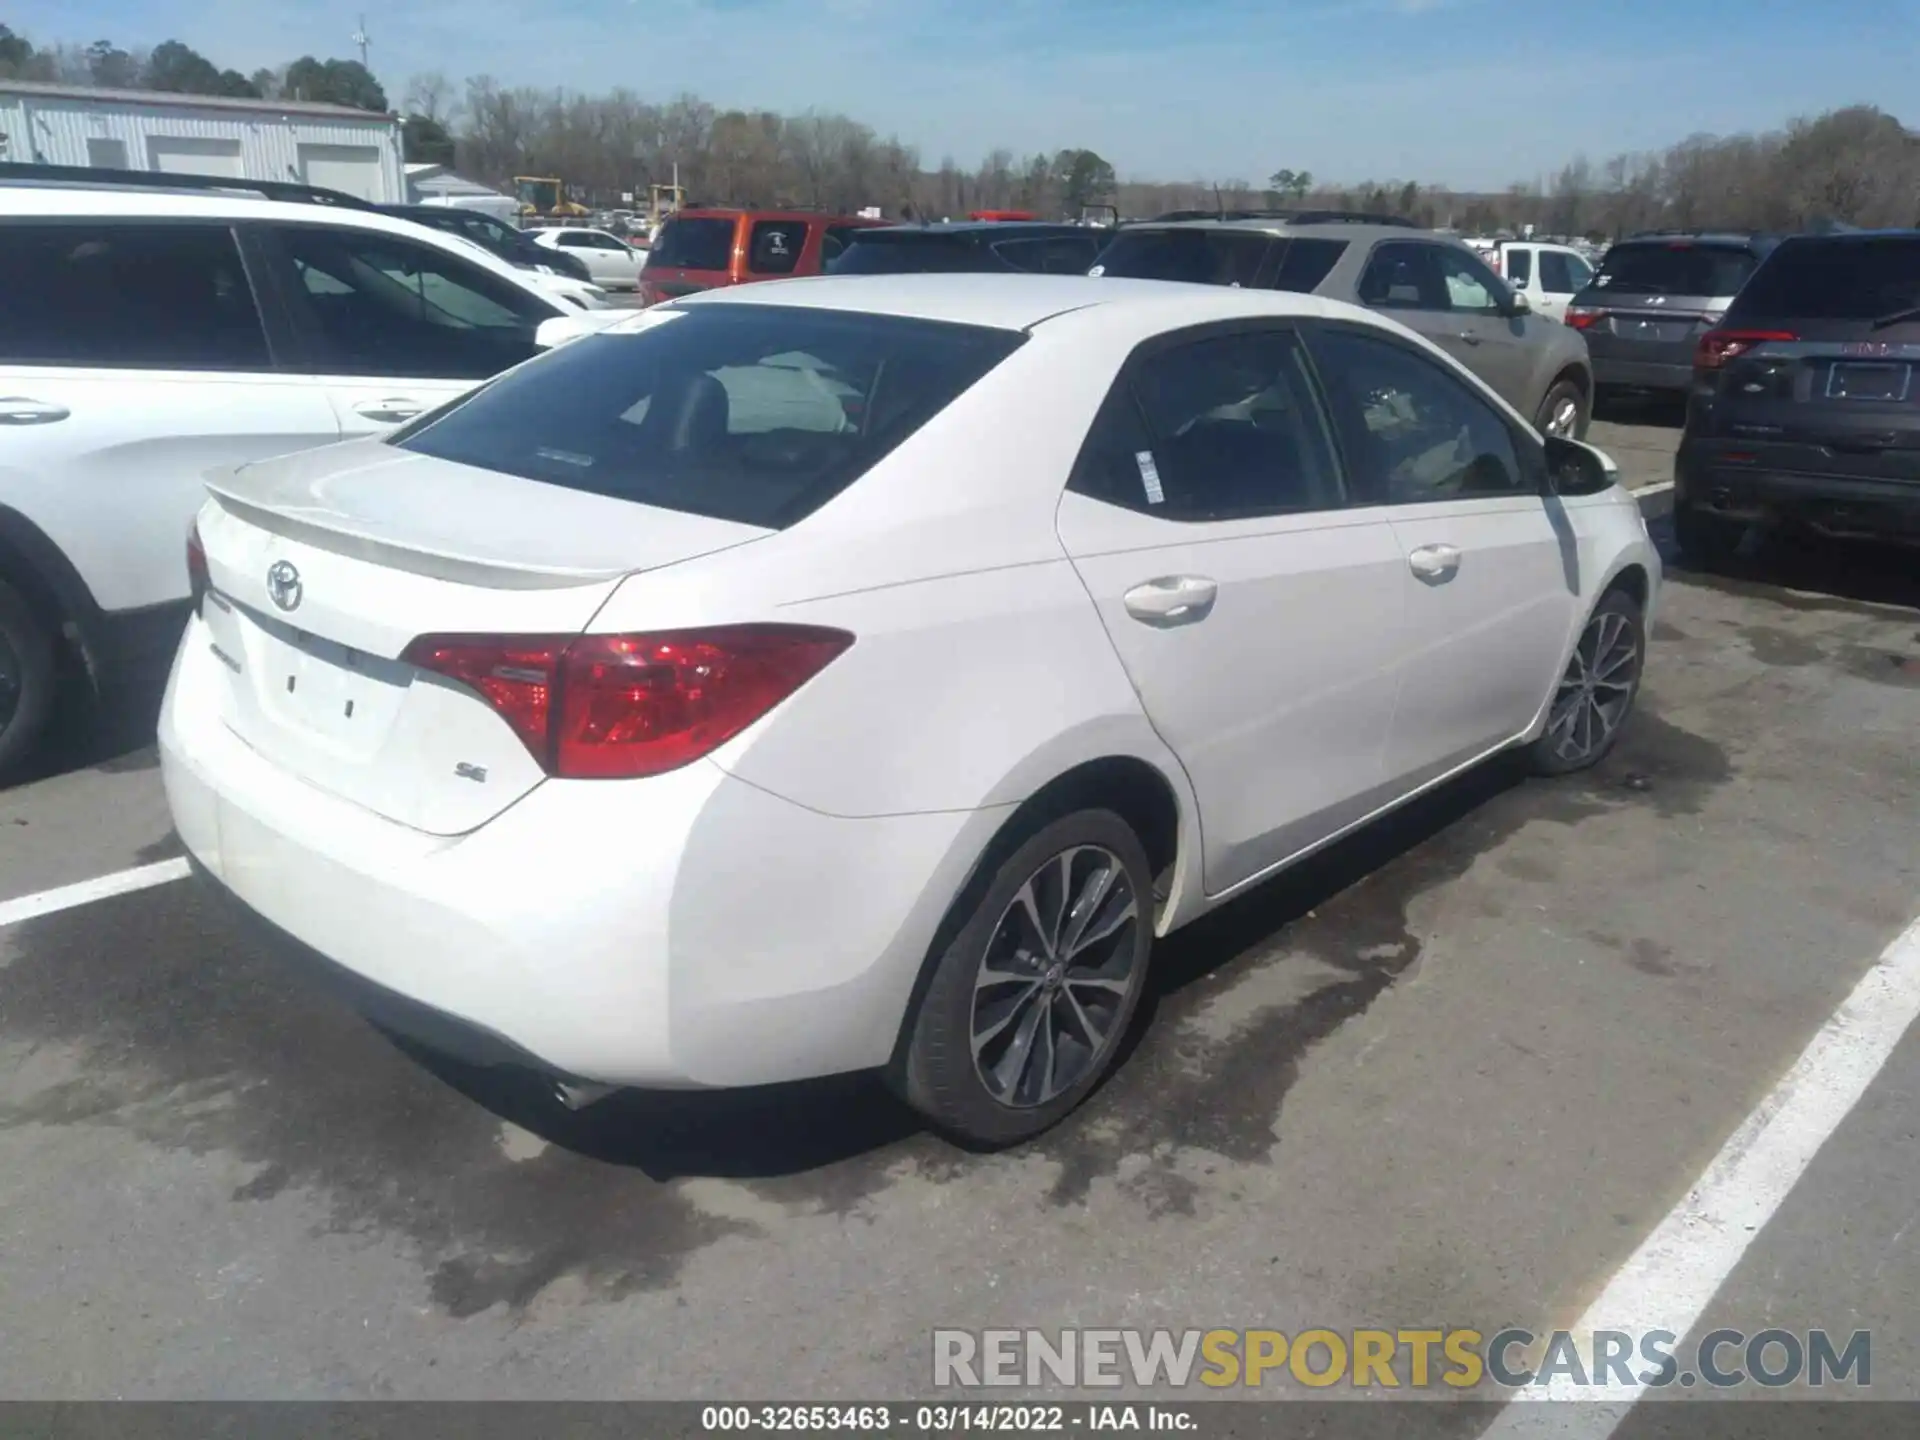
(1550, 753)
(938, 1074)
(1706, 542)
(26, 680)
(1558, 393)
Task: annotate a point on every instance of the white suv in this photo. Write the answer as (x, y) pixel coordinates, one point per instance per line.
(156, 329)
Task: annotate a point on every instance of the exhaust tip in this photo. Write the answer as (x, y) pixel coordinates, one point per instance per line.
(577, 1095)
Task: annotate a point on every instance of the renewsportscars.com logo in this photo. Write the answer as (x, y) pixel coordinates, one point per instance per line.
(1415, 1359)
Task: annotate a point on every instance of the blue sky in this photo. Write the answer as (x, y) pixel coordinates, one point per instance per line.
(1471, 93)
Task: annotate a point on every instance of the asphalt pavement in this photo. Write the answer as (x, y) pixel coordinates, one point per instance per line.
(1450, 1073)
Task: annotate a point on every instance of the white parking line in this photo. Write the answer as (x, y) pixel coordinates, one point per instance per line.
(1669, 1281)
(1659, 487)
(85, 892)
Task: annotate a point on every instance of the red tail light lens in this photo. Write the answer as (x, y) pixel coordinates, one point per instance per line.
(627, 706)
(1717, 347)
(1582, 317)
(198, 580)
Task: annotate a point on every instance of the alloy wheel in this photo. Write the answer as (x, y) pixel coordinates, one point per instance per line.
(1053, 986)
(1563, 421)
(1597, 688)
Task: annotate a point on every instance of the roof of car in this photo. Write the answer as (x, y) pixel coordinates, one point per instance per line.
(1011, 301)
(974, 227)
(1345, 229)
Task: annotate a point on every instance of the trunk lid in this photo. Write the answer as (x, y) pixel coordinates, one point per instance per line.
(325, 565)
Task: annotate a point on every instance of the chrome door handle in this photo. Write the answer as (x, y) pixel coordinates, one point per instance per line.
(20, 410)
(391, 411)
(1469, 337)
(1172, 600)
(1436, 564)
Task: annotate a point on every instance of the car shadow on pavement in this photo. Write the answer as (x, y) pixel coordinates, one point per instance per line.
(111, 732)
(784, 1130)
(1668, 412)
(1802, 571)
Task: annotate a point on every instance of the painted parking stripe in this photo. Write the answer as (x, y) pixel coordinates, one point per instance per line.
(1642, 492)
(121, 882)
(1669, 1281)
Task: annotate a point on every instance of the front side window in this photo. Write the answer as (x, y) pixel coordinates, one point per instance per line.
(152, 297)
(752, 413)
(1519, 267)
(775, 246)
(1472, 288)
(835, 240)
(371, 304)
(1414, 434)
(1556, 274)
(1218, 429)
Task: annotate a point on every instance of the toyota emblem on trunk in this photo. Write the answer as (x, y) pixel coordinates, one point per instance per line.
(283, 584)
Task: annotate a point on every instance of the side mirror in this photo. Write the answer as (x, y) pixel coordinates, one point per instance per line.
(1577, 468)
(1518, 304)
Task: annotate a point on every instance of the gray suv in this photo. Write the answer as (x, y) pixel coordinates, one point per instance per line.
(1652, 299)
(1430, 283)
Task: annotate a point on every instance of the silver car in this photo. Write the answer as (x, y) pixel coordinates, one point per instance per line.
(1431, 283)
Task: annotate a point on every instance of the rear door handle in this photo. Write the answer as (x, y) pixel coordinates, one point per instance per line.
(1435, 564)
(1469, 337)
(20, 410)
(390, 411)
(1172, 600)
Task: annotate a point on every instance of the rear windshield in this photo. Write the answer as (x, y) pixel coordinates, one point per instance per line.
(1852, 279)
(1205, 257)
(752, 413)
(697, 244)
(872, 253)
(1676, 267)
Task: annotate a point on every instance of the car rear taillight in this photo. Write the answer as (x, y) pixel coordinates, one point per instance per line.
(198, 580)
(1717, 347)
(626, 706)
(1584, 317)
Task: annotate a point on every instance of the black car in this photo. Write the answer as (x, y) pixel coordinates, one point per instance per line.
(1037, 246)
(1805, 404)
(1652, 299)
(516, 247)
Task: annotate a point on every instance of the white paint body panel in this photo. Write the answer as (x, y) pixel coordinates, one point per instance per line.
(763, 913)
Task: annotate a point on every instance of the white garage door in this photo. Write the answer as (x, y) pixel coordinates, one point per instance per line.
(351, 169)
(191, 155)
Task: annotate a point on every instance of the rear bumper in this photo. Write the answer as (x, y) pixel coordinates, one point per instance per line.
(688, 930)
(1838, 504)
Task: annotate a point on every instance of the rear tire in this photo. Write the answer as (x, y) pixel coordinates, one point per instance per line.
(1707, 542)
(1595, 694)
(1066, 924)
(27, 679)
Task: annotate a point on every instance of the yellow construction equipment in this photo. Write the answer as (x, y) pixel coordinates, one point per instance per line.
(544, 197)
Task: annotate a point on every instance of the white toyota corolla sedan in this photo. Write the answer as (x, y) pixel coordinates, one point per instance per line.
(862, 672)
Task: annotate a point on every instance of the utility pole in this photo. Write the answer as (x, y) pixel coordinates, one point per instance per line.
(363, 40)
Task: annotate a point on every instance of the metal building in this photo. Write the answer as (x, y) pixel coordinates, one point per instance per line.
(354, 151)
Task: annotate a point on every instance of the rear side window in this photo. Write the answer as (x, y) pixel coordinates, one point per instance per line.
(1679, 267)
(775, 245)
(1217, 429)
(1202, 257)
(757, 414)
(1850, 279)
(704, 243)
(1519, 268)
(161, 297)
(1306, 263)
(875, 253)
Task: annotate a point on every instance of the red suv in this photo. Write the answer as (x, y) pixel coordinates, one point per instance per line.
(701, 249)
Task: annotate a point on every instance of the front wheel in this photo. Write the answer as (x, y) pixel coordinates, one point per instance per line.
(26, 679)
(1596, 691)
(1028, 1006)
(1564, 412)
